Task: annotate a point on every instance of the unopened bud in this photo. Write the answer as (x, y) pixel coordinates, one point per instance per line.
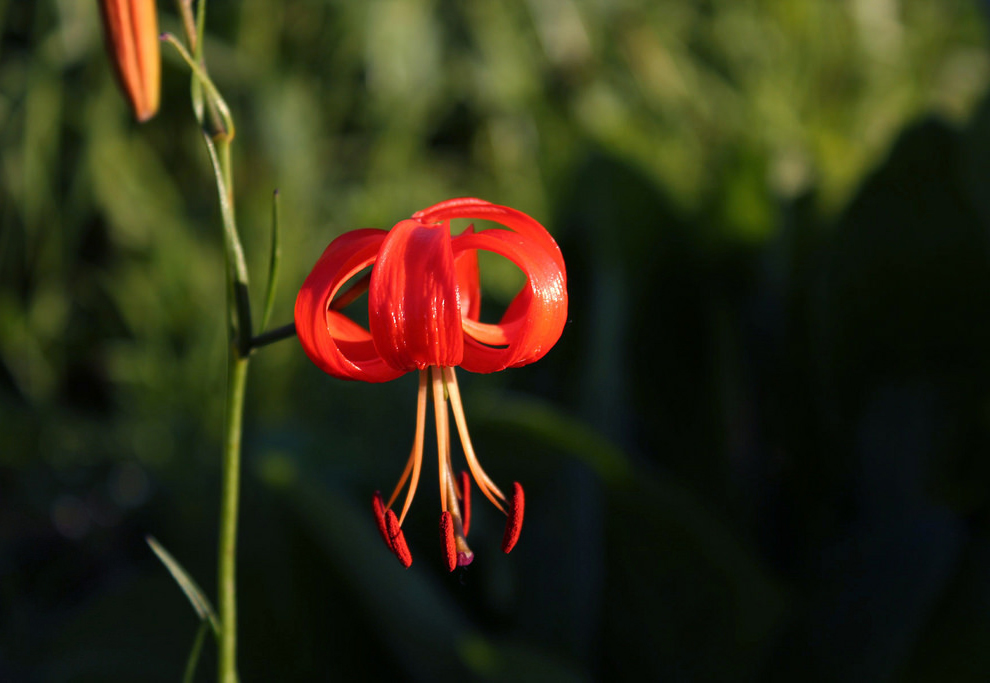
(131, 31)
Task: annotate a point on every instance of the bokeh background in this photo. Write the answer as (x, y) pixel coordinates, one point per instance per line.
(758, 453)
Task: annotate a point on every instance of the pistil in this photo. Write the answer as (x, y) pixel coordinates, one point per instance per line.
(456, 551)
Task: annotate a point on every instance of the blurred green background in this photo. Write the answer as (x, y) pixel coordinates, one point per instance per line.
(759, 451)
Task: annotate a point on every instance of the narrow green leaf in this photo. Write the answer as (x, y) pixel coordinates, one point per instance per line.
(236, 265)
(185, 9)
(193, 592)
(231, 239)
(211, 89)
(197, 87)
(273, 264)
(197, 647)
(200, 26)
(196, 94)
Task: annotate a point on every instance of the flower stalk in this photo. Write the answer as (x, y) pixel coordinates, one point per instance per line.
(239, 330)
(131, 30)
(237, 371)
(217, 124)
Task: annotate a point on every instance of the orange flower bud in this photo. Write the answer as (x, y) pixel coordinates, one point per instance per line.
(131, 30)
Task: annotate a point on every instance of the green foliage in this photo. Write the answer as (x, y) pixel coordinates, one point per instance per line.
(759, 449)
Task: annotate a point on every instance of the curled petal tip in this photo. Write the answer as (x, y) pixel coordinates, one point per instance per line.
(513, 525)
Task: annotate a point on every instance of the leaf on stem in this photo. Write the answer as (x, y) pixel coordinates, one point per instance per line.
(197, 647)
(236, 265)
(192, 26)
(197, 87)
(193, 592)
(211, 90)
(273, 264)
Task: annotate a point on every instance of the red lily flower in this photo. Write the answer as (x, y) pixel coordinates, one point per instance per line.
(424, 301)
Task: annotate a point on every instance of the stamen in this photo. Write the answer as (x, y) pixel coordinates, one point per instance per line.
(443, 433)
(513, 525)
(487, 486)
(388, 527)
(451, 483)
(397, 540)
(462, 552)
(416, 456)
(403, 478)
(465, 491)
(379, 508)
(447, 541)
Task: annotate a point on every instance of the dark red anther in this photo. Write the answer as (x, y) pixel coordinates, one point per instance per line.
(397, 540)
(513, 525)
(379, 507)
(447, 542)
(388, 527)
(465, 483)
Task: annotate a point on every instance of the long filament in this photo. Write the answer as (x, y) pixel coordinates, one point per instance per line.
(487, 486)
(403, 478)
(417, 450)
(443, 432)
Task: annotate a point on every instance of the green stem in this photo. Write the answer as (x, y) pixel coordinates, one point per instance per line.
(239, 315)
(218, 142)
(227, 562)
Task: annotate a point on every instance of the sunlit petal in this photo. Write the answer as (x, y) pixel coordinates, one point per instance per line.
(479, 209)
(413, 310)
(468, 281)
(533, 322)
(336, 344)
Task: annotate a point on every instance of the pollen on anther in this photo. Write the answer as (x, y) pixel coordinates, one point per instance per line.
(379, 507)
(465, 485)
(397, 540)
(447, 541)
(513, 525)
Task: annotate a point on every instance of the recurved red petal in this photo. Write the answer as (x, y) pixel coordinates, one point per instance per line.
(534, 320)
(413, 309)
(468, 281)
(479, 209)
(332, 341)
